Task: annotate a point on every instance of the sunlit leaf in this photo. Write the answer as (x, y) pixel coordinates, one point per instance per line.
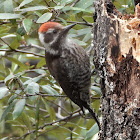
(58, 7)
(40, 71)
(5, 138)
(67, 8)
(3, 92)
(8, 6)
(9, 77)
(19, 106)
(10, 16)
(24, 2)
(93, 130)
(49, 90)
(64, 2)
(44, 18)
(36, 79)
(84, 4)
(33, 8)
(96, 89)
(33, 88)
(27, 24)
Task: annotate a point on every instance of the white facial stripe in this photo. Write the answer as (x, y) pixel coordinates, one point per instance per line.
(46, 45)
(41, 38)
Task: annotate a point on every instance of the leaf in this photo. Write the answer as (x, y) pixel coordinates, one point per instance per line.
(49, 90)
(64, 2)
(33, 88)
(36, 79)
(8, 6)
(40, 71)
(88, 18)
(63, 20)
(50, 110)
(21, 31)
(87, 37)
(25, 120)
(19, 106)
(41, 63)
(81, 43)
(16, 61)
(3, 92)
(33, 8)
(84, 4)
(15, 43)
(96, 89)
(44, 18)
(58, 7)
(9, 77)
(24, 3)
(12, 98)
(68, 8)
(27, 24)
(5, 138)
(10, 16)
(92, 131)
(4, 30)
(82, 32)
(7, 110)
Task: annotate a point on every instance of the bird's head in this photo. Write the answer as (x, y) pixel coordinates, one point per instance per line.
(51, 33)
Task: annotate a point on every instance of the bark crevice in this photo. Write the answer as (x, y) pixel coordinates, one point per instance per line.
(116, 42)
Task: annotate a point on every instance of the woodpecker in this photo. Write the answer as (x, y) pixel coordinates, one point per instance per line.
(68, 63)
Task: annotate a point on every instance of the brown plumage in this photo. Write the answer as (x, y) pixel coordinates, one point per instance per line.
(68, 63)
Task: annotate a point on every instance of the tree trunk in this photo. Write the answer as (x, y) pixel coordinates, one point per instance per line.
(116, 43)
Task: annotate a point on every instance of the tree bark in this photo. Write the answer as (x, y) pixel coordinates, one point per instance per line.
(116, 44)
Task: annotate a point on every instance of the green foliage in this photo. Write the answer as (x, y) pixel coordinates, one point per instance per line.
(33, 106)
(125, 6)
(32, 100)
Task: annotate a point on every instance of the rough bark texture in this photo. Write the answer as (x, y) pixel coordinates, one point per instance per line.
(116, 43)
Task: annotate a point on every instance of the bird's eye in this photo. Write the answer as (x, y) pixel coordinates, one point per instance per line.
(55, 31)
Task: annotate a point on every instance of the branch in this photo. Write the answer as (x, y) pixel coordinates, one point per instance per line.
(82, 23)
(45, 95)
(32, 106)
(58, 106)
(54, 2)
(31, 46)
(46, 3)
(69, 117)
(6, 43)
(21, 51)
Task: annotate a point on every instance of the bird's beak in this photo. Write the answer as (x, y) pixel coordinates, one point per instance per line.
(67, 28)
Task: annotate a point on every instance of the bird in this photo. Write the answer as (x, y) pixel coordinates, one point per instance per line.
(68, 63)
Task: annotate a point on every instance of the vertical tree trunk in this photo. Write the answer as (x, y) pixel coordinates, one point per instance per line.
(116, 41)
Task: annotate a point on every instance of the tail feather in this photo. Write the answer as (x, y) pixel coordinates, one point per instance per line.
(93, 115)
